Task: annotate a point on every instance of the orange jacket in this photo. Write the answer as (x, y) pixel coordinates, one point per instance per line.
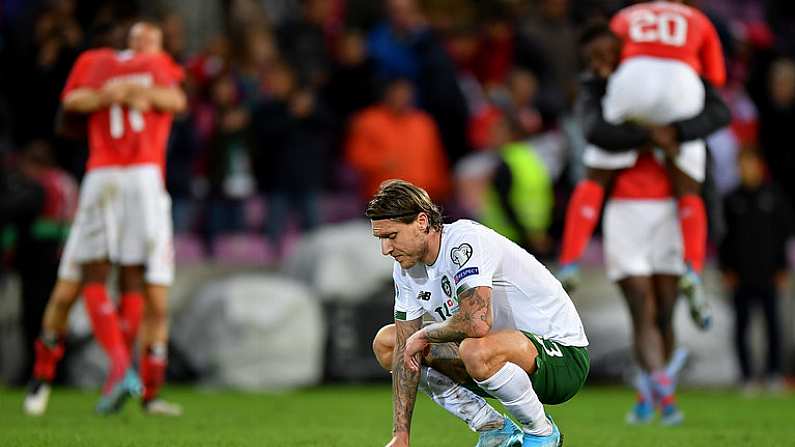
(383, 145)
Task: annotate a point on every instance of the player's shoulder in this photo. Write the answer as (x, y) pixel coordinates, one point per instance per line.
(163, 61)
(94, 54)
(462, 236)
(463, 228)
(685, 10)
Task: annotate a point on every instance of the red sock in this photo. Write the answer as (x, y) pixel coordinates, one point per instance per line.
(153, 370)
(106, 329)
(47, 357)
(693, 222)
(131, 310)
(581, 218)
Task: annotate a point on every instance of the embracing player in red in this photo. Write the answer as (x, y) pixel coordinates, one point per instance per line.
(123, 219)
(666, 48)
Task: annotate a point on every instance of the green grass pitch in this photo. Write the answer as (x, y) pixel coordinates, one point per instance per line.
(355, 416)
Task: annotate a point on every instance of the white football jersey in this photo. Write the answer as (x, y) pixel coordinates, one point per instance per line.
(524, 294)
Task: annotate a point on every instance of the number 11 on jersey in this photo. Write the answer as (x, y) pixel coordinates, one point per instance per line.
(135, 118)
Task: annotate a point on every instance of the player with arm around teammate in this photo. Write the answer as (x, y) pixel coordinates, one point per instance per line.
(505, 320)
(130, 97)
(664, 47)
(643, 244)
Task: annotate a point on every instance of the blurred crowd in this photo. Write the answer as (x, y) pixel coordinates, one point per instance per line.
(300, 108)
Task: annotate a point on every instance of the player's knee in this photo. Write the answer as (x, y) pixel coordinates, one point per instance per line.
(476, 357)
(383, 345)
(64, 295)
(132, 279)
(664, 321)
(156, 312)
(96, 272)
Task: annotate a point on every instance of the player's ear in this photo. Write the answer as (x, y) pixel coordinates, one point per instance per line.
(422, 220)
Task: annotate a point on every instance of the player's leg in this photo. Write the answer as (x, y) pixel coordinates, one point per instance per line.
(646, 338)
(49, 348)
(666, 289)
(104, 320)
(154, 340)
(582, 215)
(646, 343)
(159, 275)
(686, 177)
(131, 305)
(504, 364)
(666, 250)
(654, 384)
(665, 293)
(442, 376)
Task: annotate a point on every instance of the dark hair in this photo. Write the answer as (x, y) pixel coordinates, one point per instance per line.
(403, 201)
(593, 30)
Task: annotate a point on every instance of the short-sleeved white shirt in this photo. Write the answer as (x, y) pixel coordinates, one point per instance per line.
(524, 294)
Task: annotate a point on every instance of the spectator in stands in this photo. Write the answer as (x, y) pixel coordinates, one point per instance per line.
(753, 260)
(39, 238)
(351, 85)
(291, 131)
(551, 27)
(518, 202)
(405, 46)
(776, 116)
(302, 42)
(228, 166)
(393, 139)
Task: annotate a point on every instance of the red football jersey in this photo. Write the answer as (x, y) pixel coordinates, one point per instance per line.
(119, 136)
(671, 31)
(647, 179)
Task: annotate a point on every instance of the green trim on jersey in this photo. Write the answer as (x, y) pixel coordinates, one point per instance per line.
(400, 315)
(560, 370)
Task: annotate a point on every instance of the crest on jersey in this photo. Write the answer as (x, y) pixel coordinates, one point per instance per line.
(424, 296)
(446, 287)
(461, 254)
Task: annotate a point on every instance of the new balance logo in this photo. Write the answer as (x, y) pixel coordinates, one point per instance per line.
(425, 296)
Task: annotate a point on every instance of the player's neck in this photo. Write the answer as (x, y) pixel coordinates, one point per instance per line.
(434, 245)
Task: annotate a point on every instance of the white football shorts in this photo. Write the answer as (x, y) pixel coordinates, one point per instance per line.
(653, 91)
(641, 238)
(124, 215)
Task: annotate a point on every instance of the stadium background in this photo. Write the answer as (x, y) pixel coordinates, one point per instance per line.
(279, 284)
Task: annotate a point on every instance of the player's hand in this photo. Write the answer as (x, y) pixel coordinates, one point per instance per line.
(665, 137)
(114, 93)
(399, 441)
(138, 102)
(415, 345)
(137, 98)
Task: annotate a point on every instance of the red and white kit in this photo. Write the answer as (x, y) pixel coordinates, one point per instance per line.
(641, 224)
(124, 212)
(666, 47)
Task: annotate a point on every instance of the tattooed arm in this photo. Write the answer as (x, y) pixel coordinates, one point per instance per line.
(473, 320)
(404, 383)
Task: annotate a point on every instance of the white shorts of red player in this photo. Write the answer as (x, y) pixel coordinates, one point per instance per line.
(124, 215)
(654, 91)
(641, 238)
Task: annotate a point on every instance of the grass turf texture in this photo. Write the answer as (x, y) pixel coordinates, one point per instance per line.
(342, 416)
